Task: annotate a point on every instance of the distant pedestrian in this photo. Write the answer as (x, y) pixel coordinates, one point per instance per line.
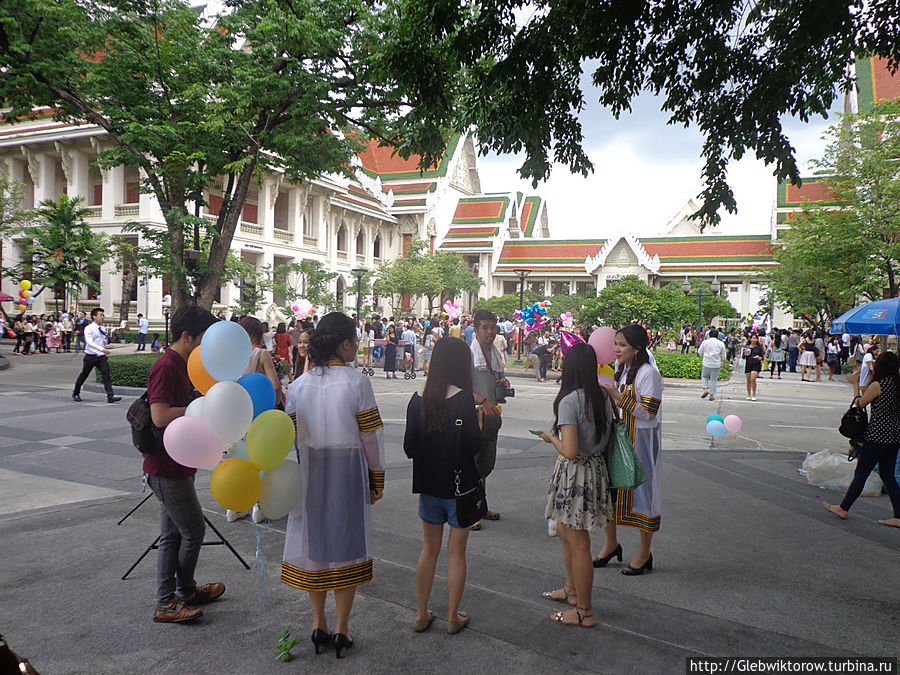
(143, 328)
(95, 352)
(776, 355)
(793, 350)
(713, 352)
(754, 355)
(882, 438)
(808, 356)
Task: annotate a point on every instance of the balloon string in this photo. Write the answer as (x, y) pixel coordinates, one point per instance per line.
(264, 600)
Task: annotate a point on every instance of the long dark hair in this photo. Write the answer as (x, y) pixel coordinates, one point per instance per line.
(888, 365)
(451, 364)
(635, 336)
(331, 332)
(579, 371)
(300, 361)
(777, 341)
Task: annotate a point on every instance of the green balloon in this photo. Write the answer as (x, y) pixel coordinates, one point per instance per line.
(716, 417)
(269, 439)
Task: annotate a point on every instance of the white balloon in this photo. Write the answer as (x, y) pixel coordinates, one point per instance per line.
(226, 351)
(281, 490)
(195, 407)
(228, 410)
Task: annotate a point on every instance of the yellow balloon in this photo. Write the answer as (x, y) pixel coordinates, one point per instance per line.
(269, 439)
(606, 369)
(25, 285)
(235, 484)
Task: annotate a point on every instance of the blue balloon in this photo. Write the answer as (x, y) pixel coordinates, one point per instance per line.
(261, 391)
(715, 417)
(716, 428)
(225, 350)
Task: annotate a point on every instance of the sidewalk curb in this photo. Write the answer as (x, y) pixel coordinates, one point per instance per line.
(4, 363)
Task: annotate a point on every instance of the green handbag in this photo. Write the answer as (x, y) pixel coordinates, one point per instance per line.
(622, 463)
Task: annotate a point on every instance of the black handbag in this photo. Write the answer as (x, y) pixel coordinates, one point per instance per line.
(854, 422)
(471, 506)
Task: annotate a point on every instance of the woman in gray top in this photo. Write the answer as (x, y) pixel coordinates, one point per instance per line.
(578, 496)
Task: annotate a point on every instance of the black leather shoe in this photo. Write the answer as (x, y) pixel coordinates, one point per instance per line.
(630, 571)
(340, 641)
(113, 399)
(320, 638)
(603, 562)
(76, 398)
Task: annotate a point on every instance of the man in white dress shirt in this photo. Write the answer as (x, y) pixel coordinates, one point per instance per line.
(95, 352)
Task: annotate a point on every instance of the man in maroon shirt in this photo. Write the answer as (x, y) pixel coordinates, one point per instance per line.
(182, 527)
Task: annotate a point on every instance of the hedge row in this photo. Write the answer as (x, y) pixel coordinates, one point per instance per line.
(685, 366)
(130, 370)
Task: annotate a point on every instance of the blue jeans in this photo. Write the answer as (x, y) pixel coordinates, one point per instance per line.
(142, 341)
(437, 511)
(180, 536)
(793, 352)
(708, 378)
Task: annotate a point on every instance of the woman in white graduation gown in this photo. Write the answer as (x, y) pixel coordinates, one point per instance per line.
(339, 432)
(638, 394)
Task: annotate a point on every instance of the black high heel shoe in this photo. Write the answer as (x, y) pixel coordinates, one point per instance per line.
(340, 641)
(603, 562)
(630, 571)
(320, 638)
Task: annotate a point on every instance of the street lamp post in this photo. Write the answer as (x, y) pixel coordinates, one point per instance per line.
(521, 274)
(359, 272)
(714, 288)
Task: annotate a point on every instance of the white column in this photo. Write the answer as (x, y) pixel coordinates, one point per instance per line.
(148, 206)
(113, 191)
(78, 178)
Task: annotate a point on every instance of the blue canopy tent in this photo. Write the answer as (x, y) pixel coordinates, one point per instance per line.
(881, 317)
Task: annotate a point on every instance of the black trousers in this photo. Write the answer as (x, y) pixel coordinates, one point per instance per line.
(101, 363)
(142, 342)
(886, 457)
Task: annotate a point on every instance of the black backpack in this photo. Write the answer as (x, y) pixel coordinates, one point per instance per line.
(854, 422)
(144, 434)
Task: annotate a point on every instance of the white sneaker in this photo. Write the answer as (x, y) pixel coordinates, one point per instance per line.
(232, 516)
(752, 398)
(551, 528)
(257, 515)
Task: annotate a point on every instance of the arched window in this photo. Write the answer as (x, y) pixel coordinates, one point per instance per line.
(361, 243)
(376, 246)
(339, 292)
(342, 238)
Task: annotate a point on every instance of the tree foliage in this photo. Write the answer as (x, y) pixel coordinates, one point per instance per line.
(521, 74)
(631, 299)
(199, 101)
(846, 246)
(434, 276)
(60, 249)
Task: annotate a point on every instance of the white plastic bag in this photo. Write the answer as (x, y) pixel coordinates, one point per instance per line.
(830, 469)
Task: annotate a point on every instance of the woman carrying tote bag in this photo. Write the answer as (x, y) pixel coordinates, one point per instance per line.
(882, 437)
(578, 495)
(443, 435)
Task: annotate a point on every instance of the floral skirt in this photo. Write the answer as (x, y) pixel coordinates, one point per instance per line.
(578, 496)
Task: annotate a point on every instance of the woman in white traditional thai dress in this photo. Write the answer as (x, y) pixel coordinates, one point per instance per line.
(638, 393)
(339, 432)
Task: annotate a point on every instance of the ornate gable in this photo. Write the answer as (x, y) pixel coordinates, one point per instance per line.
(622, 251)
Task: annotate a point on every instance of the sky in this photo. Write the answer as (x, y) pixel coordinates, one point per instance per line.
(640, 151)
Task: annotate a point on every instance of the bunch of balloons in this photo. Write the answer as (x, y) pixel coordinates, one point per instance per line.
(303, 309)
(236, 412)
(533, 315)
(567, 319)
(25, 299)
(603, 341)
(716, 425)
(452, 310)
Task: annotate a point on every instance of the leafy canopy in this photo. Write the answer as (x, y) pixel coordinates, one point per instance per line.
(520, 72)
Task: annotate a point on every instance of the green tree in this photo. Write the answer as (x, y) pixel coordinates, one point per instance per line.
(307, 279)
(506, 305)
(734, 70)
(125, 252)
(199, 102)
(13, 218)
(450, 277)
(619, 303)
(61, 249)
(714, 305)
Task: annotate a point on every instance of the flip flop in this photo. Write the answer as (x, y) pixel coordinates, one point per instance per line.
(421, 625)
(453, 627)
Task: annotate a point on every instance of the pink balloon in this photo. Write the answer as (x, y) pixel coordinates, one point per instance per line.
(603, 341)
(567, 339)
(733, 424)
(605, 379)
(190, 442)
(295, 308)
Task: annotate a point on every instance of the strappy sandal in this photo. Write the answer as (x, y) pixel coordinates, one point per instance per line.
(581, 613)
(548, 595)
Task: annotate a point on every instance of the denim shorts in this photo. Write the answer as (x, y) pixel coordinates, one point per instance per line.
(437, 511)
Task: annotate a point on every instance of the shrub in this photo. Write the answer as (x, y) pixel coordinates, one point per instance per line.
(685, 366)
(127, 335)
(130, 370)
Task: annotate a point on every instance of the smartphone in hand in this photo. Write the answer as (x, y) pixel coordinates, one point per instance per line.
(534, 431)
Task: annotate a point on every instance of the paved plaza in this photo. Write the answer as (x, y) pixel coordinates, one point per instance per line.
(747, 562)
